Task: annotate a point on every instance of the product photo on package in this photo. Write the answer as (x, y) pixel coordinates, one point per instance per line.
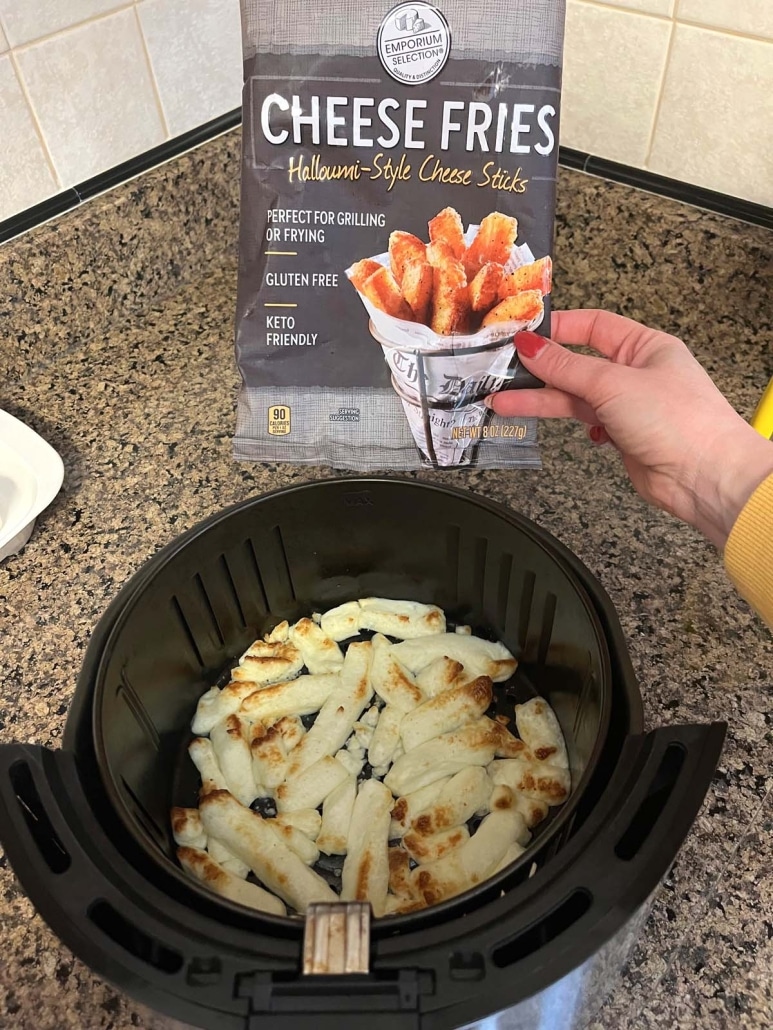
(397, 207)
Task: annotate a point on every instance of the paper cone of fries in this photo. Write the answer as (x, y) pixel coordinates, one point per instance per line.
(442, 377)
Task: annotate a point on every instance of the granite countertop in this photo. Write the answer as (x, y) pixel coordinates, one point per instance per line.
(117, 349)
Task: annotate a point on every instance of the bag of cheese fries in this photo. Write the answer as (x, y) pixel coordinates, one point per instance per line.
(397, 204)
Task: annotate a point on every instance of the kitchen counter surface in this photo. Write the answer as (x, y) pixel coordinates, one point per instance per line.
(117, 349)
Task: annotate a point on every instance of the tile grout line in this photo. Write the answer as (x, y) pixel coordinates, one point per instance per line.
(152, 71)
(66, 29)
(58, 181)
(661, 91)
(608, 5)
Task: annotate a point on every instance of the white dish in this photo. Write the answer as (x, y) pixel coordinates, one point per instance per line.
(31, 474)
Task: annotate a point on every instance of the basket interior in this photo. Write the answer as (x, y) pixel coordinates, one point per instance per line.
(292, 553)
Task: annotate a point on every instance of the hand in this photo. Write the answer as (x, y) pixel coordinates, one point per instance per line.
(684, 447)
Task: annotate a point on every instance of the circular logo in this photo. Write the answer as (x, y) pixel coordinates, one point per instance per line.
(414, 42)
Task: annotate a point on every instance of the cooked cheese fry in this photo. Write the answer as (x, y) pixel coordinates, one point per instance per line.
(187, 829)
(429, 848)
(471, 863)
(307, 820)
(267, 662)
(446, 712)
(450, 293)
(503, 799)
(439, 675)
(493, 242)
(484, 288)
(203, 757)
(302, 696)
(351, 761)
(540, 729)
(538, 780)
(446, 227)
(479, 657)
(214, 707)
(365, 875)
(446, 755)
(399, 906)
(362, 270)
(219, 853)
(402, 619)
(383, 291)
(417, 284)
(508, 746)
(340, 711)
(521, 307)
(304, 848)
(409, 806)
(399, 872)
(386, 736)
(404, 247)
(291, 730)
(232, 748)
(279, 634)
(320, 652)
(393, 683)
(269, 756)
(310, 788)
(275, 865)
(460, 798)
(533, 811)
(336, 818)
(342, 622)
(513, 852)
(536, 276)
(199, 864)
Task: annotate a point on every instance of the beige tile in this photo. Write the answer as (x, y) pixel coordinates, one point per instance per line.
(613, 66)
(195, 50)
(754, 17)
(26, 20)
(3, 41)
(714, 128)
(92, 91)
(25, 177)
(665, 7)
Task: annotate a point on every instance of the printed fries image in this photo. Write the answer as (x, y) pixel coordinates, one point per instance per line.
(456, 283)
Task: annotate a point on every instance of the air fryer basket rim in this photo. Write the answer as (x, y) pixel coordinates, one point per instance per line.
(132, 594)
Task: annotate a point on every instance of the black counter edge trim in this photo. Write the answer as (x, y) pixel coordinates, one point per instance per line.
(673, 189)
(118, 175)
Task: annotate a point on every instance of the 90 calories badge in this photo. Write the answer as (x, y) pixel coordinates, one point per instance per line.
(413, 43)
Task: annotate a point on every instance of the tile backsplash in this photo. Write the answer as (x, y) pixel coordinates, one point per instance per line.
(677, 87)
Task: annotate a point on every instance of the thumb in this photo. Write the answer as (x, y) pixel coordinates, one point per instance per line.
(560, 368)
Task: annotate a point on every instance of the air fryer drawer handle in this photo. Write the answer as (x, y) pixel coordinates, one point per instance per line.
(333, 1002)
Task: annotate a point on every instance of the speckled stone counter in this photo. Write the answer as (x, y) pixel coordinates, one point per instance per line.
(116, 347)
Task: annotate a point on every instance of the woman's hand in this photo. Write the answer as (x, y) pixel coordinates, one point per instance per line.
(685, 448)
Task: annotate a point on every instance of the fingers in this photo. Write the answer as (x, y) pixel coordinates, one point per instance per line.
(545, 403)
(604, 331)
(571, 373)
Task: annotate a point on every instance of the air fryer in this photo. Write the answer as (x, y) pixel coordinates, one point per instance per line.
(87, 830)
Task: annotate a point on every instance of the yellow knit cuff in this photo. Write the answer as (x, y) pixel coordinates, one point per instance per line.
(749, 551)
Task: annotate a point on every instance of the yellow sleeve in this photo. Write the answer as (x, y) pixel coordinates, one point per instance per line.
(749, 551)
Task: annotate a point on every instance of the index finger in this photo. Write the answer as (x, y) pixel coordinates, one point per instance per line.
(603, 331)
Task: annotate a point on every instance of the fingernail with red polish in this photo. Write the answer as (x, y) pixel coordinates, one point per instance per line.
(489, 401)
(596, 434)
(529, 344)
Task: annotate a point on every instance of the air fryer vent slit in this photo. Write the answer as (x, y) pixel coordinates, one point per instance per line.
(547, 929)
(453, 538)
(527, 600)
(252, 557)
(546, 629)
(208, 606)
(129, 937)
(132, 700)
(187, 632)
(149, 823)
(282, 550)
(234, 592)
(503, 590)
(52, 850)
(479, 571)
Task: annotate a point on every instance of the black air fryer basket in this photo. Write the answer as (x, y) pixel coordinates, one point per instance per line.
(87, 830)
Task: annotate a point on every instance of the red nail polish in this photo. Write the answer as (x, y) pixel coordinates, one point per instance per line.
(595, 433)
(529, 344)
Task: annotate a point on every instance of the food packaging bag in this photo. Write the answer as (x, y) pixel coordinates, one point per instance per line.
(397, 204)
